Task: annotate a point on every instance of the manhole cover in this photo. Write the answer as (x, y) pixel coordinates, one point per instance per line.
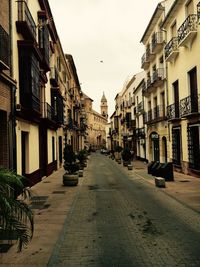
(36, 199)
(37, 202)
(58, 192)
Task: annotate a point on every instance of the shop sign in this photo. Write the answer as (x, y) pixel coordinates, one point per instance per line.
(154, 136)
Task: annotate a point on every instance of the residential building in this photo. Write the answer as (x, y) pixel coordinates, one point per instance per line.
(40, 70)
(96, 124)
(116, 137)
(154, 88)
(7, 91)
(75, 129)
(123, 120)
(139, 115)
(183, 63)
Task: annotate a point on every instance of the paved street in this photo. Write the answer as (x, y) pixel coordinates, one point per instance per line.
(118, 219)
(114, 217)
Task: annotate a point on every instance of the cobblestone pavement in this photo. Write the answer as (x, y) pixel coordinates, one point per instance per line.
(118, 220)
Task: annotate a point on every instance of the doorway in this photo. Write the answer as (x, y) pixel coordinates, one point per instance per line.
(25, 152)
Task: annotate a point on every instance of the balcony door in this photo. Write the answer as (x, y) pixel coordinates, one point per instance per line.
(193, 89)
(194, 146)
(24, 152)
(43, 149)
(176, 145)
(155, 146)
(176, 98)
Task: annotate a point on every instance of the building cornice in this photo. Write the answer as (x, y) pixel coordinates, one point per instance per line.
(153, 21)
(171, 13)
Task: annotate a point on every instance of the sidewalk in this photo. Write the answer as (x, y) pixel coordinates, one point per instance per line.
(55, 201)
(184, 188)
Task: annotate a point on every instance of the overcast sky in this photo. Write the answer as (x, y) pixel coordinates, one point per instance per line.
(103, 36)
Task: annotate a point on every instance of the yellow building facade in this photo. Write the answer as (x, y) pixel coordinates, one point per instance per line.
(183, 63)
(154, 88)
(96, 124)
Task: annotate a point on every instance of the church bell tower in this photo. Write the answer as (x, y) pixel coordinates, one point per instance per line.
(104, 106)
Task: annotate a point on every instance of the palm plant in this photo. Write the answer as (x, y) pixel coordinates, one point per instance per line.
(15, 214)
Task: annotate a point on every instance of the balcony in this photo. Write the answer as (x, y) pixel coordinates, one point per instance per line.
(54, 78)
(44, 46)
(140, 133)
(188, 31)
(189, 106)
(48, 112)
(143, 87)
(157, 42)
(173, 112)
(4, 49)
(25, 23)
(159, 113)
(30, 105)
(145, 62)
(150, 55)
(158, 77)
(148, 116)
(140, 107)
(149, 86)
(155, 115)
(171, 50)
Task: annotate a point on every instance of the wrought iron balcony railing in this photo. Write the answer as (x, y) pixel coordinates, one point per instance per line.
(140, 107)
(54, 78)
(143, 86)
(171, 48)
(198, 11)
(158, 75)
(145, 61)
(189, 25)
(157, 40)
(48, 111)
(189, 106)
(148, 116)
(140, 132)
(155, 115)
(24, 15)
(44, 44)
(173, 111)
(4, 49)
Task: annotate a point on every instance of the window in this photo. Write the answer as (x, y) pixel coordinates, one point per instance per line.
(176, 146)
(58, 63)
(174, 30)
(189, 8)
(35, 77)
(53, 148)
(194, 146)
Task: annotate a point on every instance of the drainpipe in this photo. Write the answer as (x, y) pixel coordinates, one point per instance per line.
(12, 123)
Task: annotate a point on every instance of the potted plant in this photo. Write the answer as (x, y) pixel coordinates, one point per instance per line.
(71, 166)
(126, 156)
(117, 153)
(82, 157)
(16, 216)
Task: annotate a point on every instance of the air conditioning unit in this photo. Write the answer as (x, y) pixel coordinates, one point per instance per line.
(18, 107)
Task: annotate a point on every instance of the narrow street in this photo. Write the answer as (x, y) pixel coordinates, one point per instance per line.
(118, 220)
